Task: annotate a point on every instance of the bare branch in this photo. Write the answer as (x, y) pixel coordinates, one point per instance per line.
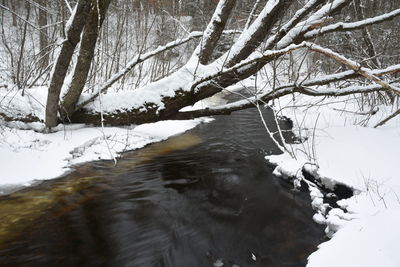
(68, 6)
(252, 14)
(391, 116)
(341, 26)
(300, 14)
(351, 90)
(21, 18)
(367, 73)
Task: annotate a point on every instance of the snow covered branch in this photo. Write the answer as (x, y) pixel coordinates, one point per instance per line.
(343, 26)
(300, 14)
(251, 102)
(385, 120)
(365, 72)
(268, 55)
(214, 30)
(252, 37)
(296, 34)
(304, 88)
(15, 117)
(139, 59)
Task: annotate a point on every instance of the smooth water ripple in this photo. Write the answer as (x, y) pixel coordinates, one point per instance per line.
(212, 202)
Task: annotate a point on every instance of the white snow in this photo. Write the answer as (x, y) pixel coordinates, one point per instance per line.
(27, 154)
(369, 241)
(348, 150)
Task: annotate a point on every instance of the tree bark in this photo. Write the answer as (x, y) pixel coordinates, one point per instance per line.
(62, 63)
(259, 30)
(14, 17)
(214, 30)
(85, 57)
(43, 35)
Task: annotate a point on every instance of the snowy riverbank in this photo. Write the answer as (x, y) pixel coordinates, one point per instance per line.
(347, 150)
(337, 138)
(28, 155)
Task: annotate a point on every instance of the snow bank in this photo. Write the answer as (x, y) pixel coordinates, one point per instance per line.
(346, 150)
(370, 241)
(27, 155)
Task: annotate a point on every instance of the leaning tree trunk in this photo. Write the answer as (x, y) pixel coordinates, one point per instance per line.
(180, 89)
(258, 31)
(85, 57)
(246, 44)
(63, 61)
(214, 30)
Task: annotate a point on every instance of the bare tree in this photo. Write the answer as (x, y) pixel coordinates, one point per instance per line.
(43, 34)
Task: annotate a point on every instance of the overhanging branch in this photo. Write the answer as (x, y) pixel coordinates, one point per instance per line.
(141, 58)
(365, 72)
(342, 26)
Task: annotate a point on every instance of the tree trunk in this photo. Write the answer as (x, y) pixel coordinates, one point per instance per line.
(259, 30)
(150, 112)
(85, 57)
(43, 35)
(63, 61)
(184, 90)
(20, 66)
(14, 17)
(214, 30)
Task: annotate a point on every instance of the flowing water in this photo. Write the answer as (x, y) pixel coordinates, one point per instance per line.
(205, 198)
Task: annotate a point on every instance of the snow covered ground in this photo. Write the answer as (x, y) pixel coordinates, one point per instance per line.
(347, 150)
(338, 139)
(27, 155)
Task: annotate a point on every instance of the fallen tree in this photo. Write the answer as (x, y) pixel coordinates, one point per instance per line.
(262, 41)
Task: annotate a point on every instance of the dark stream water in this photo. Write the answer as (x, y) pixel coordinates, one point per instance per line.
(215, 202)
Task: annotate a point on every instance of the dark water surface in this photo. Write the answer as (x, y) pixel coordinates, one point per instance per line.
(214, 202)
